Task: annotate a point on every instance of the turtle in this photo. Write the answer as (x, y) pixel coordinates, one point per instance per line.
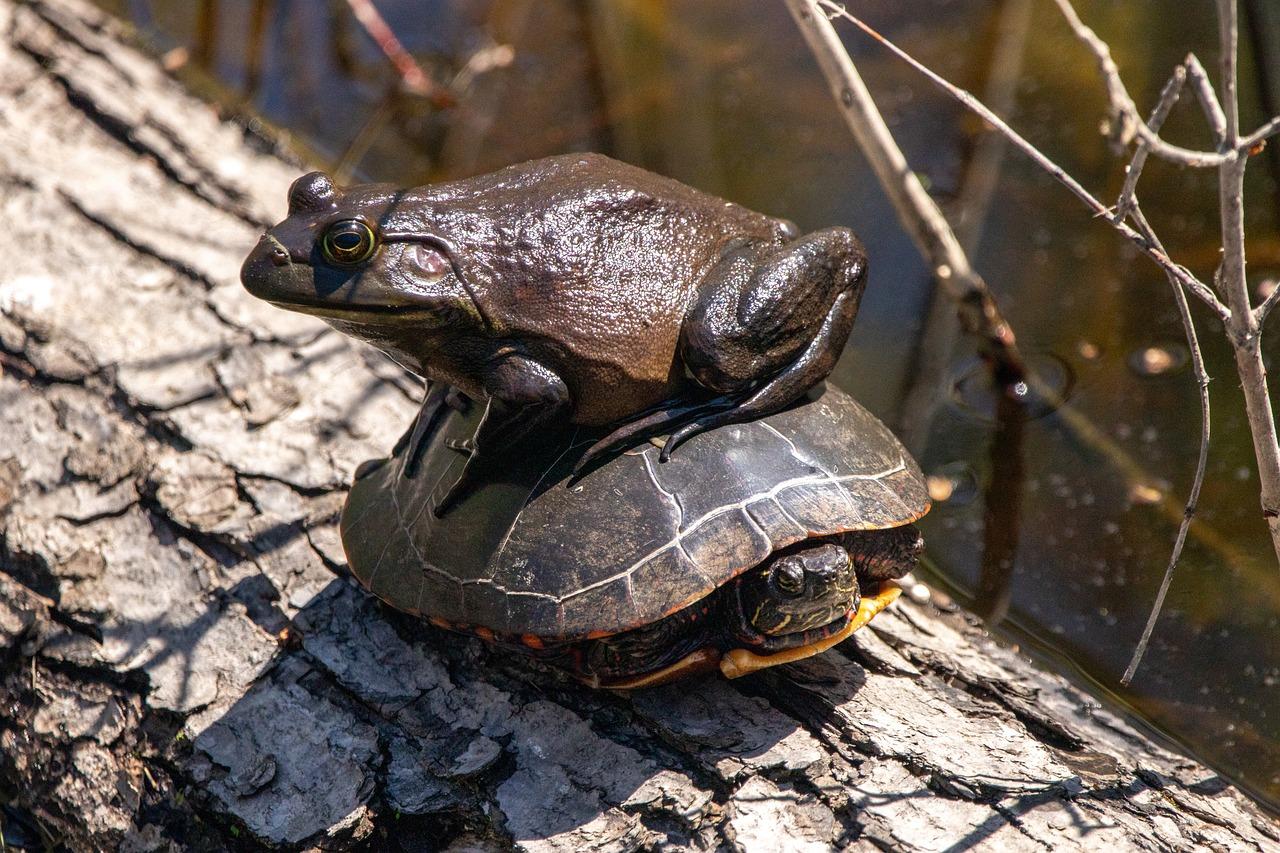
(758, 544)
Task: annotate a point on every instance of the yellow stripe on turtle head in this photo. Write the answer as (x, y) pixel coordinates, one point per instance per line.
(739, 662)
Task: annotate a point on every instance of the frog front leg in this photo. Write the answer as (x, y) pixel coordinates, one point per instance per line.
(768, 324)
(521, 395)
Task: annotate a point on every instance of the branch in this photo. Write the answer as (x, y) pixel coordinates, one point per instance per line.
(1208, 99)
(1242, 330)
(1253, 140)
(1168, 97)
(979, 313)
(1219, 121)
(1179, 272)
(1260, 313)
(1193, 497)
(1228, 36)
(1123, 106)
(411, 73)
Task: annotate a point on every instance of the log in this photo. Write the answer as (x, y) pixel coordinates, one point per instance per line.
(184, 664)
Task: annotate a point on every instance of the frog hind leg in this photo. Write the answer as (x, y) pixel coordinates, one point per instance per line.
(666, 417)
(770, 324)
(522, 396)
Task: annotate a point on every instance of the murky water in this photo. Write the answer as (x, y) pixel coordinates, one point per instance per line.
(1056, 527)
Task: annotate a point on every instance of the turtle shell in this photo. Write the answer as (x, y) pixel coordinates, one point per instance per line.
(534, 552)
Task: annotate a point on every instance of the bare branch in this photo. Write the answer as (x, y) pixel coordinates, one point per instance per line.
(1123, 107)
(1268, 130)
(1260, 313)
(1180, 273)
(1213, 113)
(979, 313)
(1168, 97)
(1228, 36)
(1193, 497)
(1128, 205)
(411, 73)
(1208, 98)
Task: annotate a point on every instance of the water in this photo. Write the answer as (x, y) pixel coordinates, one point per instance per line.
(1057, 522)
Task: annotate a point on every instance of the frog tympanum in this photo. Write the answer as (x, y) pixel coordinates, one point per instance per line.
(574, 287)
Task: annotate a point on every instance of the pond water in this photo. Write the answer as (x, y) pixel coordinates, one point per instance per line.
(1057, 528)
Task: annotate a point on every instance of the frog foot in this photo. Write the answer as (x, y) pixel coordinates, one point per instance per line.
(665, 418)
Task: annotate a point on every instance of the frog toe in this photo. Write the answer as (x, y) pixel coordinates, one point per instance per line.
(706, 423)
(656, 422)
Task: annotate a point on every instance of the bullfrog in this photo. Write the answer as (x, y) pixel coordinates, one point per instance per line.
(576, 288)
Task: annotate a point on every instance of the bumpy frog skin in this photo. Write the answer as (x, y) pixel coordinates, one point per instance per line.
(573, 287)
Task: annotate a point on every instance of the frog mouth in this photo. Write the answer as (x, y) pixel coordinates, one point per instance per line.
(357, 312)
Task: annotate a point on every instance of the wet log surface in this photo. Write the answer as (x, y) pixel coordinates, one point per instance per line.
(184, 666)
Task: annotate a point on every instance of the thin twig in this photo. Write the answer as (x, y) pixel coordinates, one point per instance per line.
(1231, 146)
(1179, 272)
(1168, 97)
(1253, 140)
(1156, 121)
(1202, 383)
(411, 74)
(1208, 99)
(979, 313)
(1122, 104)
(1260, 313)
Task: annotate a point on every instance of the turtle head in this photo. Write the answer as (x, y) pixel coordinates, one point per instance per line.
(793, 595)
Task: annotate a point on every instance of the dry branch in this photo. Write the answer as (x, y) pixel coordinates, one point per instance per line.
(1242, 321)
(1237, 314)
(979, 314)
(1180, 273)
(411, 74)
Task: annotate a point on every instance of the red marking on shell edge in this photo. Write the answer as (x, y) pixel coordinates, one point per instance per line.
(483, 633)
(441, 623)
(599, 635)
(533, 641)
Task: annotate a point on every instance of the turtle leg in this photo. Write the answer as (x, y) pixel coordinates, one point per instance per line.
(880, 555)
(522, 396)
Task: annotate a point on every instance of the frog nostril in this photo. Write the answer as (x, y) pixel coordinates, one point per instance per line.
(279, 256)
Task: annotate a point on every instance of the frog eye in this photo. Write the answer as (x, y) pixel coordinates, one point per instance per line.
(348, 243)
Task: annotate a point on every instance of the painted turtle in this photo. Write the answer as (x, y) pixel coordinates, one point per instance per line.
(758, 544)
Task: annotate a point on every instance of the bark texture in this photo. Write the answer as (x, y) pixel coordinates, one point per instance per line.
(183, 665)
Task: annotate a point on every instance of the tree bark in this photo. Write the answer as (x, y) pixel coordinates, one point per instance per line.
(183, 664)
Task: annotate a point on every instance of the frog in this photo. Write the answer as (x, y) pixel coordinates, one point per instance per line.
(576, 288)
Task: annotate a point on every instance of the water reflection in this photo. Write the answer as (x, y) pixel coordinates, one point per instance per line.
(1060, 524)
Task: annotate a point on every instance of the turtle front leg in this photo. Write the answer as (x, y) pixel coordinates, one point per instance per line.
(522, 395)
